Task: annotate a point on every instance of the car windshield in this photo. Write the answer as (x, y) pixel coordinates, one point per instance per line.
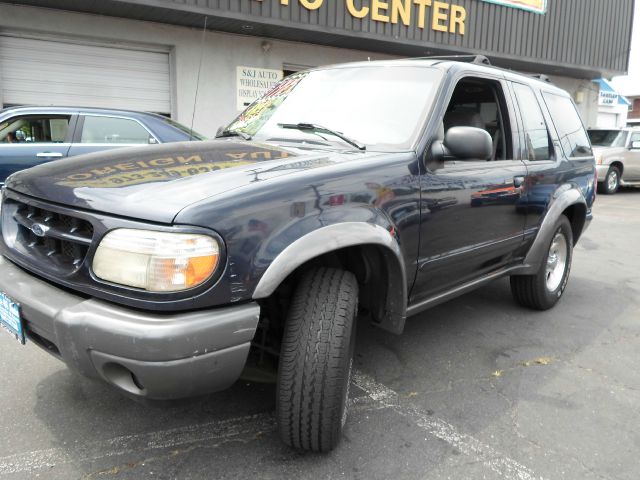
(607, 138)
(378, 107)
(192, 133)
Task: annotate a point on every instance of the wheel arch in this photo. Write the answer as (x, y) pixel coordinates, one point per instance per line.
(619, 165)
(569, 201)
(370, 251)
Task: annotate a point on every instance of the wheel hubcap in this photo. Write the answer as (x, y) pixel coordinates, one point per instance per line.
(612, 180)
(556, 261)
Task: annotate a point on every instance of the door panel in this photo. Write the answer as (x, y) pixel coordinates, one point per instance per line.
(29, 140)
(471, 223)
(632, 161)
(102, 132)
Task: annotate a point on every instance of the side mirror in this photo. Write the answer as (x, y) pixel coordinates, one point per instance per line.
(219, 131)
(469, 143)
(635, 145)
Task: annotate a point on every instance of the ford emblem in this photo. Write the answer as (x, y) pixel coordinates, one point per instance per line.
(39, 230)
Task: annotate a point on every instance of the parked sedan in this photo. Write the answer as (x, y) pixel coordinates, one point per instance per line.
(617, 153)
(33, 135)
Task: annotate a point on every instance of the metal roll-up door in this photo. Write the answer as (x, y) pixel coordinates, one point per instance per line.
(50, 72)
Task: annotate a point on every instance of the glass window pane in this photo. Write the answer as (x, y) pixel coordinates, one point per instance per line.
(537, 140)
(35, 129)
(113, 130)
(573, 138)
(381, 107)
(607, 138)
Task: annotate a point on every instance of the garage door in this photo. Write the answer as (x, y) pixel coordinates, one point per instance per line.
(607, 120)
(45, 72)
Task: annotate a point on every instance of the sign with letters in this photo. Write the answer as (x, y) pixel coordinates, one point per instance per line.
(537, 6)
(253, 83)
(443, 17)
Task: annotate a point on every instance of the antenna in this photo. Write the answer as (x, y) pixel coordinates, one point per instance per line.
(195, 98)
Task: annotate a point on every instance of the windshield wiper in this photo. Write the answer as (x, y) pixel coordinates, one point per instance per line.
(313, 128)
(233, 133)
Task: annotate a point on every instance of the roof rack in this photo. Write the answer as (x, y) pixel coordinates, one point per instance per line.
(477, 59)
(542, 77)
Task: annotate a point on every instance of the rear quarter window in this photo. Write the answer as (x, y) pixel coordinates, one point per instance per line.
(573, 137)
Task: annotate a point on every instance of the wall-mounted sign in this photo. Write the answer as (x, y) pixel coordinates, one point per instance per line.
(537, 6)
(439, 16)
(253, 83)
(607, 98)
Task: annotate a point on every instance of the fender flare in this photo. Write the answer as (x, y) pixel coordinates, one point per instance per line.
(564, 198)
(335, 237)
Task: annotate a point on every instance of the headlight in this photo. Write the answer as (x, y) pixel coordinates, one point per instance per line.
(156, 261)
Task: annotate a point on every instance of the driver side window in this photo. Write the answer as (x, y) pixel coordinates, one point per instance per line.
(35, 129)
(480, 103)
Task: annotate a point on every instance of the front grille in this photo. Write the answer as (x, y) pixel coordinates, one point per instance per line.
(51, 238)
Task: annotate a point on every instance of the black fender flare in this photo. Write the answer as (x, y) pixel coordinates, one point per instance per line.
(335, 237)
(564, 198)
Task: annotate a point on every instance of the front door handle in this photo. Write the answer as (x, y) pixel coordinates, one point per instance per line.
(49, 155)
(518, 181)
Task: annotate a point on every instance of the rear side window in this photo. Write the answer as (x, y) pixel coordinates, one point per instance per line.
(573, 138)
(113, 130)
(537, 142)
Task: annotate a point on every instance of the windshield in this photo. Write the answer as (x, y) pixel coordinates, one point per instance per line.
(185, 129)
(608, 138)
(380, 107)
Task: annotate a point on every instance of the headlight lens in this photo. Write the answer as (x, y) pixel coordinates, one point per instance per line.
(156, 261)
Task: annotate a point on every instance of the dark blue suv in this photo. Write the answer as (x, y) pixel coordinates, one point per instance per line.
(30, 136)
(348, 193)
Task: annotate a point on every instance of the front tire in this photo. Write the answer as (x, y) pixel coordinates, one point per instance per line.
(542, 290)
(316, 360)
(611, 181)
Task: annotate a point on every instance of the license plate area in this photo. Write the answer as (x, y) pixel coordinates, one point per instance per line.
(10, 318)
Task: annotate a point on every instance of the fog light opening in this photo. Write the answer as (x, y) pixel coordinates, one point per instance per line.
(123, 378)
(136, 381)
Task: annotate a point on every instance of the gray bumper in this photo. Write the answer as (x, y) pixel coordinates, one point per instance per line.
(146, 354)
(602, 172)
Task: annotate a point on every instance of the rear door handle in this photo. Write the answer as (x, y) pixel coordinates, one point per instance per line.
(518, 181)
(49, 155)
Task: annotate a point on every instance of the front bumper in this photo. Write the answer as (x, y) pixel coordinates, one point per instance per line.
(159, 356)
(602, 172)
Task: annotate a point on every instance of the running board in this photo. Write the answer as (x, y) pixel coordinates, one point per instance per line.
(461, 290)
(627, 183)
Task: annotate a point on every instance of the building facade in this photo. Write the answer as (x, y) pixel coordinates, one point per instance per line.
(613, 108)
(202, 61)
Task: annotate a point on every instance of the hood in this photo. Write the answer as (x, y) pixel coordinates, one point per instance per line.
(156, 182)
(607, 151)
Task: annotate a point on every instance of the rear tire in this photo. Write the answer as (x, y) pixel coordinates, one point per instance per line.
(542, 290)
(316, 360)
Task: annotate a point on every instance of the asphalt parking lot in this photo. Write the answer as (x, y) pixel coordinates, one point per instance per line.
(475, 388)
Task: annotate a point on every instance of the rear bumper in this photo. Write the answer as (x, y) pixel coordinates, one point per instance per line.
(145, 354)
